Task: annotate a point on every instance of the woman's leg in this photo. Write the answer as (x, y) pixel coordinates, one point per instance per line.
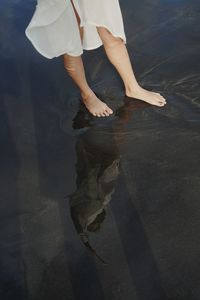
(118, 55)
(75, 69)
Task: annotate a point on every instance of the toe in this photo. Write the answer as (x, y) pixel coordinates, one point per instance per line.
(106, 113)
(109, 110)
(161, 99)
(159, 95)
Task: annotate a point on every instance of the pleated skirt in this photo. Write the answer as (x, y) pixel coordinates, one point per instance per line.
(55, 33)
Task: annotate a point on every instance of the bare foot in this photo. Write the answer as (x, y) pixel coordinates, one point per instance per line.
(95, 106)
(147, 96)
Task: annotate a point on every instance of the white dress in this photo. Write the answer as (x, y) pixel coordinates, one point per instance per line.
(53, 29)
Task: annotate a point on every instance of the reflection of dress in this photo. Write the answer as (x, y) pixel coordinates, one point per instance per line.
(53, 29)
(96, 177)
(97, 170)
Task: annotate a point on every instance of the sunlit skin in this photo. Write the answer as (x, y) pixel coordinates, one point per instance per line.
(117, 54)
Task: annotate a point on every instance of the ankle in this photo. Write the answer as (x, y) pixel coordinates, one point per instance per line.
(86, 94)
(132, 89)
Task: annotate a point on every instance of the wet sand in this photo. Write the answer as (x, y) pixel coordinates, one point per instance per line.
(127, 185)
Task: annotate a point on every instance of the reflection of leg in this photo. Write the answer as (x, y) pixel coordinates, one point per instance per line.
(118, 55)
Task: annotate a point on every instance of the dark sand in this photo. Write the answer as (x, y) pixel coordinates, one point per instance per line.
(137, 170)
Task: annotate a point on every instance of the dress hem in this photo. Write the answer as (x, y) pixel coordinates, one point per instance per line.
(121, 35)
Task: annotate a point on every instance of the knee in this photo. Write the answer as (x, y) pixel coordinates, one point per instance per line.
(108, 38)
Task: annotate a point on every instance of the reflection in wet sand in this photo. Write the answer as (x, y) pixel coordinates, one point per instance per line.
(97, 168)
